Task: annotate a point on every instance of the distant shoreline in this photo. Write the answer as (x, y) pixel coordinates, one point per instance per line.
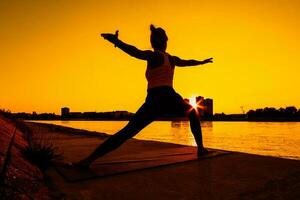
(267, 114)
(171, 120)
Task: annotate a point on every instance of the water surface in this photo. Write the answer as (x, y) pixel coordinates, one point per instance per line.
(280, 139)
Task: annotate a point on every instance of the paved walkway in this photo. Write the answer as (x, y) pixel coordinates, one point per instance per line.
(233, 176)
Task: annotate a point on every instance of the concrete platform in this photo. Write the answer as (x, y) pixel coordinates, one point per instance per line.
(134, 162)
(234, 176)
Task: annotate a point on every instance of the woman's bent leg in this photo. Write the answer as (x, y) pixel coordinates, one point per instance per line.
(141, 119)
(196, 127)
(178, 106)
(196, 130)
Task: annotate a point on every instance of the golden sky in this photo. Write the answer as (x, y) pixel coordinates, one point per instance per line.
(51, 54)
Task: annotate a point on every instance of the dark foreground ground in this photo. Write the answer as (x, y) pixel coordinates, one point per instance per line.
(232, 176)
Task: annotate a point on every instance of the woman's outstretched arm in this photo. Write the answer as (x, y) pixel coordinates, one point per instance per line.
(183, 63)
(129, 49)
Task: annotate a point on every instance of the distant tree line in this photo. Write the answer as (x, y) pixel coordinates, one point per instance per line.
(113, 115)
(29, 116)
(290, 113)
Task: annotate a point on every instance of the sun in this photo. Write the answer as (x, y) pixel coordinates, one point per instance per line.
(193, 101)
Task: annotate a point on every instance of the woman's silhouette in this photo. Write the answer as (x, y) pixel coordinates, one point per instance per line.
(161, 97)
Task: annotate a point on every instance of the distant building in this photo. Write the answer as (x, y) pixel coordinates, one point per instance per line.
(208, 105)
(118, 115)
(89, 115)
(75, 115)
(65, 112)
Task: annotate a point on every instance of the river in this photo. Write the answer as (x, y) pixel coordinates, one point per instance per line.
(279, 139)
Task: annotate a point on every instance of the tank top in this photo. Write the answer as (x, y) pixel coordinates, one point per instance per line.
(161, 75)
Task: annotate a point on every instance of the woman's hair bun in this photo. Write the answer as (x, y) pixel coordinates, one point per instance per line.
(152, 27)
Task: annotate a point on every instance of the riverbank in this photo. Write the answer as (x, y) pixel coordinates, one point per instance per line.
(19, 178)
(233, 176)
(175, 120)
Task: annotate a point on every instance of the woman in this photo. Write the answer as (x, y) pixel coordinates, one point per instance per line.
(161, 97)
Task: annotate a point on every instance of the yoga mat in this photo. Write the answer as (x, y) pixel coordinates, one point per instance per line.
(134, 162)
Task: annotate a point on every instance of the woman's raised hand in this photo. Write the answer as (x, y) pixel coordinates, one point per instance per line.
(111, 37)
(209, 60)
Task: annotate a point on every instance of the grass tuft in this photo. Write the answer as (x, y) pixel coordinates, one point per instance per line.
(42, 155)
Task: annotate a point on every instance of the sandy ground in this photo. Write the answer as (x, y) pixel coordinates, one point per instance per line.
(233, 176)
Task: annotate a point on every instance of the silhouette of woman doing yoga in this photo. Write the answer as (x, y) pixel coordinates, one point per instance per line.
(161, 97)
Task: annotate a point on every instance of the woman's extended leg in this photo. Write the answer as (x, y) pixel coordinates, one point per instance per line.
(144, 116)
(196, 130)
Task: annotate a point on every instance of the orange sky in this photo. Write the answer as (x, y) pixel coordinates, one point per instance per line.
(51, 55)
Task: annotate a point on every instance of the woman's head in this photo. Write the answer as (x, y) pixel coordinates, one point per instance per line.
(158, 38)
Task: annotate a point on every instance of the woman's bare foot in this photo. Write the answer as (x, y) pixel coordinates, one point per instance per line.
(82, 165)
(202, 151)
(79, 165)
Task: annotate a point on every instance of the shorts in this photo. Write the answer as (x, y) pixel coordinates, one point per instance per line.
(163, 101)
